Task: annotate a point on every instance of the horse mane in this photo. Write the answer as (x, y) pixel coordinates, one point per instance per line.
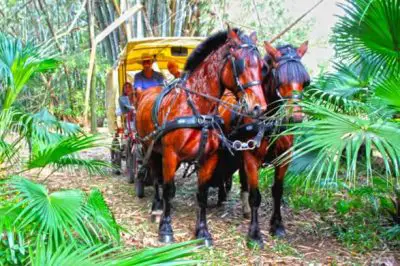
(291, 71)
(205, 48)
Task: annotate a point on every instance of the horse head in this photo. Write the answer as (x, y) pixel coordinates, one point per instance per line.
(241, 72)
(285, 78)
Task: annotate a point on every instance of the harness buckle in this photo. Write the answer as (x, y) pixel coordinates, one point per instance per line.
(243, 146)
(205, 119)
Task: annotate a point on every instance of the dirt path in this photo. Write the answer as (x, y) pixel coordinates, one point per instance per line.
(305, 242)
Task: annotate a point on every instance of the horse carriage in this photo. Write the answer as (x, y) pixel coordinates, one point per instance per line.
(220, 116)
(121, 112)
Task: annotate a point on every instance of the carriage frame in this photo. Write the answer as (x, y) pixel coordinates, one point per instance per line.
(125, 145)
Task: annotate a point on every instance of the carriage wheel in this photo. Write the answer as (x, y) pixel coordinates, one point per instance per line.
(132, 161)
(116, 156)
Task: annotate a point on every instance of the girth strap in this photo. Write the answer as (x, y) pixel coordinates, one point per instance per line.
(202, 146)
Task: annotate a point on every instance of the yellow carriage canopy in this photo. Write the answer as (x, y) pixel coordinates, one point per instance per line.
(163, 50)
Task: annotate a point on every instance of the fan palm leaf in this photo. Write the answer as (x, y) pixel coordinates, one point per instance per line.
(62, 154)
(61, 216)
(102, 214)
(388, 92)
(370, 28)
(103, 255)
(338, 138)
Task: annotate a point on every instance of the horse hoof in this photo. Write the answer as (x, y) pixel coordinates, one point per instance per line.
(279, 232)
(166, 239)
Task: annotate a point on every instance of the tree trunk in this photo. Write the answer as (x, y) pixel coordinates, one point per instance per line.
(101, 18)
(139, 23)
(93, 116)
(180, 17)
(53, 33)
(92, 89)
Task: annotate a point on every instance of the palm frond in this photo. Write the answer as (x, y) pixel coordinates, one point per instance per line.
(167, 255)
(61, 154)
(18, 63)
(102, 215)
(370, 29)
(12, 239)
(337, 139)
(104, 255)
(388, 91)
(62, 216)
(68, 254)
(349, 81)
(345, 90)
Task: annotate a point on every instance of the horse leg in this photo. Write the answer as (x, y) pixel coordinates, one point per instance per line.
(277, 227)
(251, 165)
(205, 173)
(218, 177)
(283, 144)
(221, 192)
(169, 165)
(244, 193)
(156, 175)
(226, 167)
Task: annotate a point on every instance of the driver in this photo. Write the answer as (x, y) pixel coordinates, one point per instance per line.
(147, 77)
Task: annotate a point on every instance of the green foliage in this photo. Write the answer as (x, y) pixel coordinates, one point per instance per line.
(103, 255)
(61, 154)
(370, 29)
(339, 138)
(61, 216)
(18, 63)
(65, 227)
(357, 216)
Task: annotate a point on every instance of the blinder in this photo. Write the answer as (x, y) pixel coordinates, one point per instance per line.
(239, 65)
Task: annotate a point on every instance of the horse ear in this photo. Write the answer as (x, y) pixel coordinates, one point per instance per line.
(272, 51)
(233, 36)
(302, 49)
(253, 37)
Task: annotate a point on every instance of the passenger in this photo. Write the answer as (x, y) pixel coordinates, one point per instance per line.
(174, 69)
(128, 91)
(147, 77)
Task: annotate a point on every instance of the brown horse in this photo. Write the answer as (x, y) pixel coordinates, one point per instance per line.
(227, 59)
(284, 80)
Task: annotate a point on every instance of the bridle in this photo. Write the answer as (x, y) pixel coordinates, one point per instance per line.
(292, 56)
(238, 66)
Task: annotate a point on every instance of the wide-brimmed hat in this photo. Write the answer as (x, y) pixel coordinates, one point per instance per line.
(147, 56)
